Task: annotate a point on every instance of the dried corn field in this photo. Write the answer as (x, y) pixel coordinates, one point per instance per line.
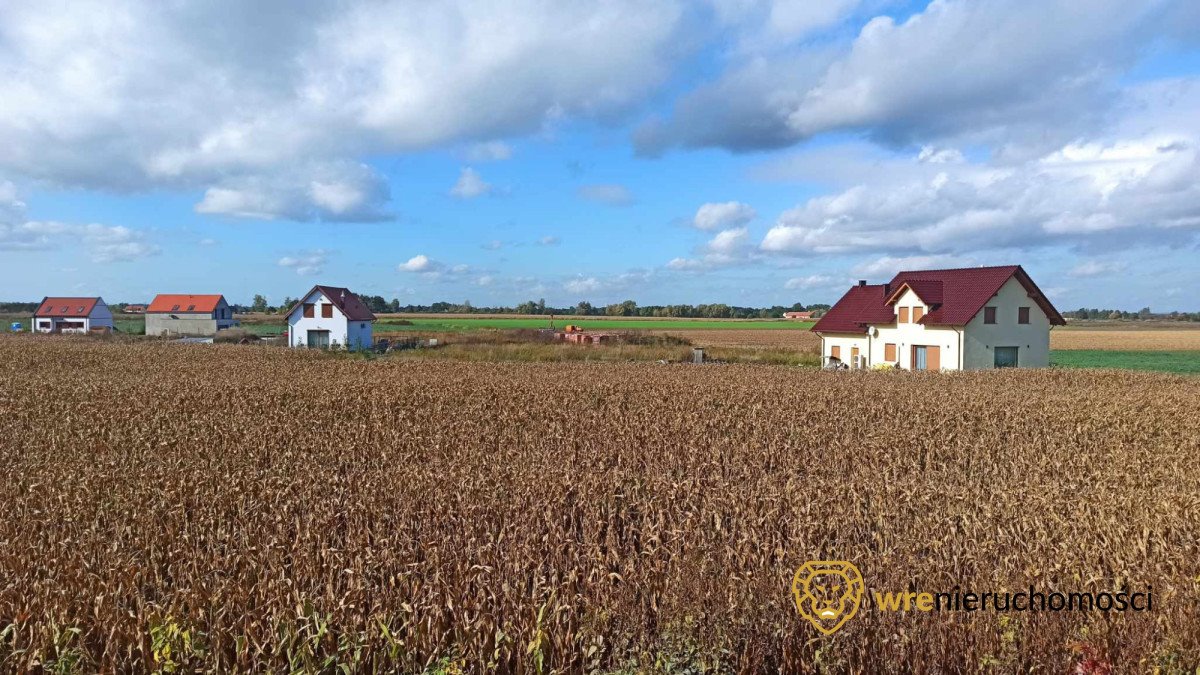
(243, 508)
(1133, 340)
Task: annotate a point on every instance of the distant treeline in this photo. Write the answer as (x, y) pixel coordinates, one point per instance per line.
(380, 305)
(1143, 314)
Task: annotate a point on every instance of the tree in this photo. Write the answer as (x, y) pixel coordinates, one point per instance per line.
(259, 304)
(584, 308)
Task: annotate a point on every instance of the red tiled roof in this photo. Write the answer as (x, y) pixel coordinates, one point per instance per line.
(184, 303)
(930, 292)
(861, 306)
(343, 299)
(59, 307)
(954, 296)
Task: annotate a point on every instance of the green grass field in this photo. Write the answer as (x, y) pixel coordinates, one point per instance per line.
(1168, 361)
(456, 324)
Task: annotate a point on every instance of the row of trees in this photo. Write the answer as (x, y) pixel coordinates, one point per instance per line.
(1142, 314)
(380, 305)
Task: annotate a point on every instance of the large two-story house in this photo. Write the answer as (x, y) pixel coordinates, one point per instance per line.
(955, 319)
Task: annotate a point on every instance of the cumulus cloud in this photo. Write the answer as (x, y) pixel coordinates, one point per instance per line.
(195, 95)
(103, 243)
(1035, 72)
(419, 263)
(1134, 190)
(716, 215)
(583, 285)
(306, 263)
(470, 185)
(610, 194)
(809, 282)
(889, 266)
(332, 192)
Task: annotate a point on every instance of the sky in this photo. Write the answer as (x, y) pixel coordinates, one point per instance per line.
(750, 152)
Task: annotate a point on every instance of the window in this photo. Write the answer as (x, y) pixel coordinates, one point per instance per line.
(79, 310)
(308, 310)
(1022, 315)
(835, 352)
(1005, 357)
(362, 325)
(889, 352)
(327, 311)
(918, 312)
(175, 308)
(989, 315)
(903, 315)
(191, 308)
(62, 310)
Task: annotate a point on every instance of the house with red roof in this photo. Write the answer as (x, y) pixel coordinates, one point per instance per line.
(188, 315)
(71, 315)
(330, 317)
(954, 319)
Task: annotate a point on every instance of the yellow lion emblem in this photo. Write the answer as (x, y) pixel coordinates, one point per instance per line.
(827, 593)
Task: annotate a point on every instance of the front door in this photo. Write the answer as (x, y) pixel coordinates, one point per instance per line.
(920, 357)
(1006, 357)
(318, 339)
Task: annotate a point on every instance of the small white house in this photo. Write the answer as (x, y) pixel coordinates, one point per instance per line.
(330, 317)
(71, 315)
(955, 319)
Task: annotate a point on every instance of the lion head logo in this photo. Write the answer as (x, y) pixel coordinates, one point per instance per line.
(827, 593)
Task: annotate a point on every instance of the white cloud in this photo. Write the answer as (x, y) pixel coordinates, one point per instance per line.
(1130, 190)
(809, 282)
(492, 151)
(887, 266)
(198, 95)
(729, 241)
(1097, 268)
(306, 263)
(1033, 72)
(548, 241)
(494, 245)
(104, 243)
(610, 194)
(470, 185)
(583, 285)
(332, 192)
(208, 241)
(716, 215)
(419, 263)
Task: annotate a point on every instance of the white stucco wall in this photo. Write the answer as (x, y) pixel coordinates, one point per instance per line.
(1032, 340)
(846, 341)
(352, 334)
(905, 335)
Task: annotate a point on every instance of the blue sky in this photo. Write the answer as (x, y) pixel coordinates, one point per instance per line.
(752, 152)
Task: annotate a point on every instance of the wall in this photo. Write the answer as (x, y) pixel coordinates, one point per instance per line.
(905, 335)
(844, 340)
(360, 334)
(1032, 340)
(101, 315)
(180, 324)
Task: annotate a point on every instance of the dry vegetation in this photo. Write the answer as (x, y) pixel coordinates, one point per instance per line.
(1131, 340)
(246, 508)
(798, 340)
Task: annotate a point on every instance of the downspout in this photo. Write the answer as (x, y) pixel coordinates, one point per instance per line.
(961, 360)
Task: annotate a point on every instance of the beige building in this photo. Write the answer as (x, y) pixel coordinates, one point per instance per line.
(957, 319)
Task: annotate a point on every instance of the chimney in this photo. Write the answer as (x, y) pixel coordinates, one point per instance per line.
(862, 282)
